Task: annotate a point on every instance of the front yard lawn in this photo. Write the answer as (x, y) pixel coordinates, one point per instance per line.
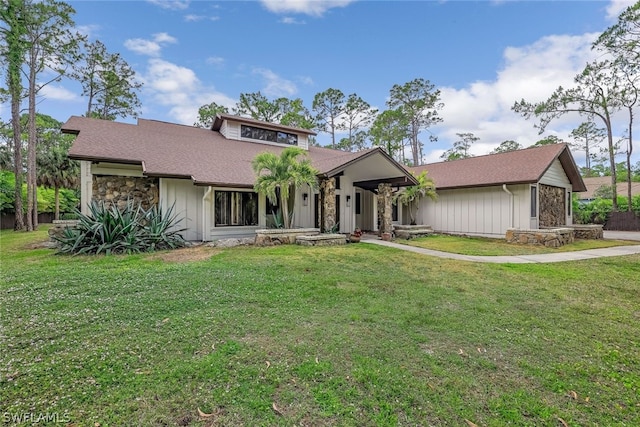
(358, 335)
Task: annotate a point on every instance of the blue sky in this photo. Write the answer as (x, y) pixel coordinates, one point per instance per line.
(482, 55)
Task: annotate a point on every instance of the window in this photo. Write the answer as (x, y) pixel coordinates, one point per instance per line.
(569, 200)
(534, 202)
(234, 208)
(358, 203)
(262, 134)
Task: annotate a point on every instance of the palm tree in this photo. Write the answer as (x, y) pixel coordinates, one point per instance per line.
(278, 176)
(56, 170)
(411, 195)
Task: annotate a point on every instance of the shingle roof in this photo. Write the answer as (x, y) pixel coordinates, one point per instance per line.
(595, 182)
(172, 150)
(514, 167)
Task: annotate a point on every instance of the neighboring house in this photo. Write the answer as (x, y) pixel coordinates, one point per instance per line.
(207, 174)
(596, 182)
(526, 189)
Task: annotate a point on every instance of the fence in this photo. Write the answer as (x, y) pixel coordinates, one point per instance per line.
(8, 219)
(622, 221)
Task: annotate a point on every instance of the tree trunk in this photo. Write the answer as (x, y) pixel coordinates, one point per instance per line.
(56, 216)
(612, 164)
(629, 151)
(32, 196)
(15, 54)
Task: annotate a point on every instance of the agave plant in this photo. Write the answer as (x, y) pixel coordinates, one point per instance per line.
(111, 230)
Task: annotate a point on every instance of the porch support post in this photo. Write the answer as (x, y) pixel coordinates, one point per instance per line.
(327, 209)
(385, 208)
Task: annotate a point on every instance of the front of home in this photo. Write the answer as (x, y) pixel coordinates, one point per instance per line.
(207, 177)
(523, 189)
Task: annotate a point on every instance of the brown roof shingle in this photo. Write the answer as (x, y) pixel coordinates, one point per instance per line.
(172, 150)
(514, 167)
(595, 182)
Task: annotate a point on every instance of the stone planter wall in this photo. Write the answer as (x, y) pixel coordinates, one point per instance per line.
(59, 226)
(280, 236)
(587, 231)
(119, 189)
(326, 239)
(551, 238)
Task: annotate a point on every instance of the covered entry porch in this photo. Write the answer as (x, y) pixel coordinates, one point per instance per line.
(359, 194)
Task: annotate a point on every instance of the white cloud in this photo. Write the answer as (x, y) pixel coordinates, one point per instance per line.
(179, 89)
(58, 93)
(197, 18)
(291, 21)
(306, 80)
(150, 47)
(530, 72)
(616, 7)
(218, 61)
(307, 7)
(164, 38)
(171, 4)
(275, 85)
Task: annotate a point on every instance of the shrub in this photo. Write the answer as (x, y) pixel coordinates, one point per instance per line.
(111, 230)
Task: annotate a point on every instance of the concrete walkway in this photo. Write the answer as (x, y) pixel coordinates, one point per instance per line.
(517, 259)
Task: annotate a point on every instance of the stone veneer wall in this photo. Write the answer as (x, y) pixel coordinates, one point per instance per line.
(551, 238)
(118, 189)
(552, 206)
(587, 231)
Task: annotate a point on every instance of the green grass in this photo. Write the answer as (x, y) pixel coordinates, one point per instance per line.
(359, 335)
(485, 246)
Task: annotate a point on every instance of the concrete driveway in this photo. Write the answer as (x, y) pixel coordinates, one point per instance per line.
(622, 235)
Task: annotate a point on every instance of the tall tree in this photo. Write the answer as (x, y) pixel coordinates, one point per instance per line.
(284, 111)
(108, 82)
(506, 146)
(389, 130)
(595, 94)
(278, 176)
(329, 107)
(357, 114)
(411, 195)
(258, 107)
(586, 137)
(419, 101)
(294, 113)
(13, 51)
(547, 140)
(622, 40)
(460, 149)
(207, 114)
(52, 45)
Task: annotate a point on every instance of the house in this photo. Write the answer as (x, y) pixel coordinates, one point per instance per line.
(596, 182)
(525, 189)
(206, 174)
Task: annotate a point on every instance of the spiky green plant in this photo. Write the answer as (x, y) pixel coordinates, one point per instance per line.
(111, 230)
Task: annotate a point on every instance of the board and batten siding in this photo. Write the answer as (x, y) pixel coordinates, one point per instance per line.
(186, 200)
(485, 210)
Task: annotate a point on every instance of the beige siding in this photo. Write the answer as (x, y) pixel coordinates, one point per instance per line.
(86, 186)
(187, 201)
(556, 176)
(232, 130)
(488, 210)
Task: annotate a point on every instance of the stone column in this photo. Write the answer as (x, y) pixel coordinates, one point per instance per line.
(384, 208)
(327, 209)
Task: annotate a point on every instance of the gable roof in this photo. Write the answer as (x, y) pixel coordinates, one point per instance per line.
(203, 155)
(525, 166)
(595, 182)
(220, 118)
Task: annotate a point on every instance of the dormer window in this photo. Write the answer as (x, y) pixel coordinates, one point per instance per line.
(262, 134)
